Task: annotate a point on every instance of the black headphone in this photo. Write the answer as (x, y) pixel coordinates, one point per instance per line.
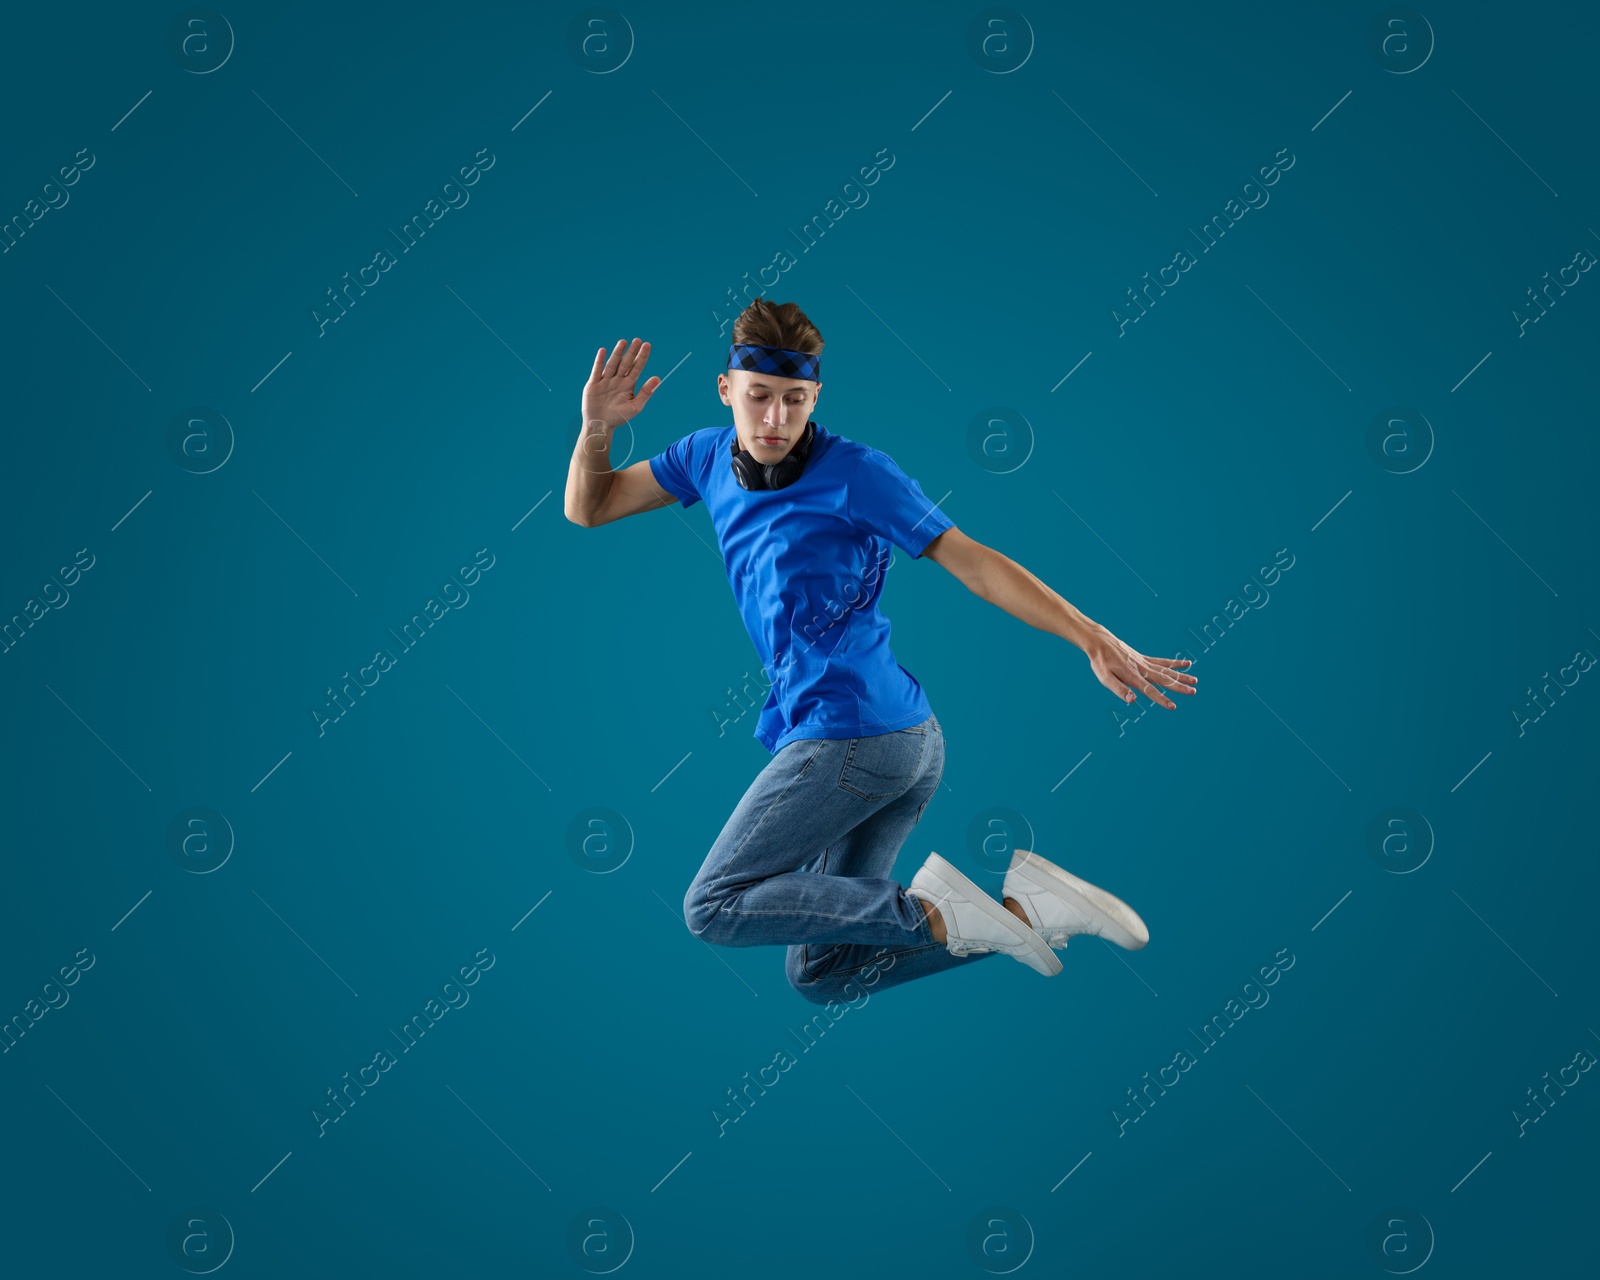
(772, 475)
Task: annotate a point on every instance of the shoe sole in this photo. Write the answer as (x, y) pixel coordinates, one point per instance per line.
(1032, 949)
(1119, 922)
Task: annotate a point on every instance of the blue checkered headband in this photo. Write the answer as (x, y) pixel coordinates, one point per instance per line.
(776, 361)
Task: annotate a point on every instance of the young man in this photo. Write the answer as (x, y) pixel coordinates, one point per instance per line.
(805, 519)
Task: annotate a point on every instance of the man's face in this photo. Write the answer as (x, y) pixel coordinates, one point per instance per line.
(769, 413)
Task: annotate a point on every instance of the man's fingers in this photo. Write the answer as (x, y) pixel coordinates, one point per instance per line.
(1165, 667)
(1162, 698)
(1141, 672)
(626, 361)
(1171, 679)
(1149, 690)
(1117, 687)
(637, 358)
(1155, 695)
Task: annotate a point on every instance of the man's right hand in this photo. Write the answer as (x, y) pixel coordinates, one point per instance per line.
(608, 396)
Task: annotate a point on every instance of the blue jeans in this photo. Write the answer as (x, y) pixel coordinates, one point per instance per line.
(805, 856)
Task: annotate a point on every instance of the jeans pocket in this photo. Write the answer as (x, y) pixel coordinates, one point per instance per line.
(882, 766)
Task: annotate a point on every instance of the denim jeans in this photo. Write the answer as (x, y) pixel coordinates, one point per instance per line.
(805, 856)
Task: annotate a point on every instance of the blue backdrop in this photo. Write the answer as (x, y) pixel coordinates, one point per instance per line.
(1267, 338)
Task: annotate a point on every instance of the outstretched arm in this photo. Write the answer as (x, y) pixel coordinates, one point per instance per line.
(1003, 582)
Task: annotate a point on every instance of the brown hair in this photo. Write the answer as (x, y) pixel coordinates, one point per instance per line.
(777, 324)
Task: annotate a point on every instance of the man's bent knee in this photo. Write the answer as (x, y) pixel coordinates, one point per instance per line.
(703, 915)
(816, 990)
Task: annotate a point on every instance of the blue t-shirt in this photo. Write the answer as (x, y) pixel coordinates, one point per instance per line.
(807, 564)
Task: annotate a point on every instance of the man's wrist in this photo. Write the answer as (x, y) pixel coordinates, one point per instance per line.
(1079, 628)
(594, 445)
(599, 426)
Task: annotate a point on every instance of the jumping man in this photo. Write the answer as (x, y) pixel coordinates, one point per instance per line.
(804, 519)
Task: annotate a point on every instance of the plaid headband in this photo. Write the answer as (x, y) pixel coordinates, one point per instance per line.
(776, 361)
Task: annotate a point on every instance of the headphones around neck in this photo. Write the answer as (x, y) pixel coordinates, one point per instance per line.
(772, 475)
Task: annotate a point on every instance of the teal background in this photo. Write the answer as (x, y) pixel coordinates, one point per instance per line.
(589, 667)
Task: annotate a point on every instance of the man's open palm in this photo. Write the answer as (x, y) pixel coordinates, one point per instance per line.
(609, 395)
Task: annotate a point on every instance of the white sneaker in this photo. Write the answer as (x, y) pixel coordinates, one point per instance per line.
(1058, 904)
(973, 921)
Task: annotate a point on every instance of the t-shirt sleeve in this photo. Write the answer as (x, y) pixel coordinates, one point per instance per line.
(885, 501)
(674, 469)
